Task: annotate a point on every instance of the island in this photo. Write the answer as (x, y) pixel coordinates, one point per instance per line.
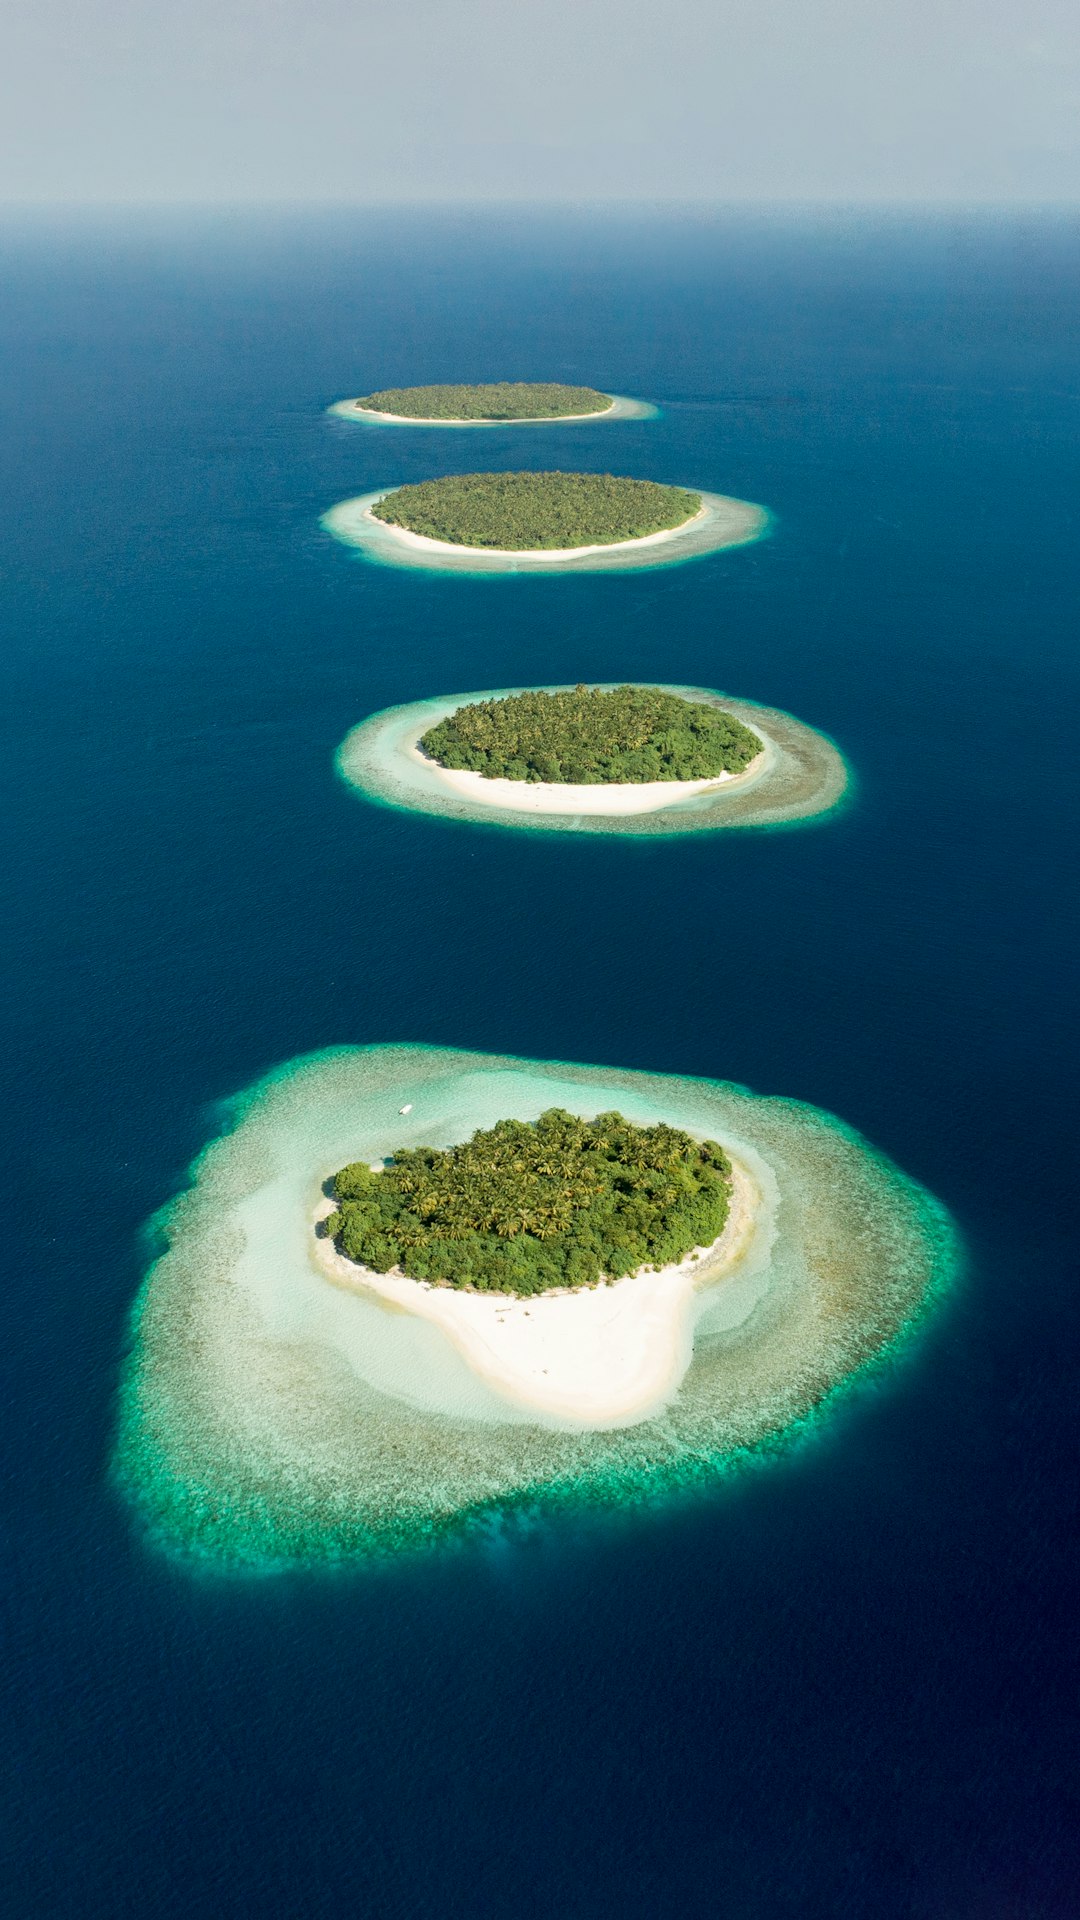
(500, 400)
(536, 512)
(560, 1256)
(283, 1403)
(526, 1206)
(498, 403)
(592, 736)
(550, 522)
(630, 758)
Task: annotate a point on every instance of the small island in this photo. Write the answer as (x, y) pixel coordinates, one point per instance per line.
(498, 403)
(282, 1404)
(592, 736)
(513, 523)
(501, 400)
(526, 1206)
(524, 513)
(638, 759)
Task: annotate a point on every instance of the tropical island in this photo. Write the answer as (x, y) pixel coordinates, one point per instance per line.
(536, 512)
(592, 735)
(527, 1206)
(615, 759)
(283, 1404)
(498, 400)
(512, 523)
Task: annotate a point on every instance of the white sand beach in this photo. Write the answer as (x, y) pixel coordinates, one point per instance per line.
(605, 1355)
(616, 797)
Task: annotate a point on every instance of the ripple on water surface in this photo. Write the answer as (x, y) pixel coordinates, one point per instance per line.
(267, 1417)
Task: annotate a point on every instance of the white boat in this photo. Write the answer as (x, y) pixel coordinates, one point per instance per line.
(407, 1109)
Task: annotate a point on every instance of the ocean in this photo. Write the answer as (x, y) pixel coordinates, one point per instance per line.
(842, 1681)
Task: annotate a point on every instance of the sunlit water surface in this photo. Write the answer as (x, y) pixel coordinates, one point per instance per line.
(838, 1681)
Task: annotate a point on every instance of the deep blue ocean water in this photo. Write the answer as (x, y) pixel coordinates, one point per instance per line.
(844, 1685)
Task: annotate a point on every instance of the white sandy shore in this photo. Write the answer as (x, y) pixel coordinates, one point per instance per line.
(622, 407)
(616, 797)
(421, 542)
(604, 1355)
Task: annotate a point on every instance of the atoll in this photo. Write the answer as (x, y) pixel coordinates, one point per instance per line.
(269, 1416)
(719, 522)
(798, 775)
(498, 404)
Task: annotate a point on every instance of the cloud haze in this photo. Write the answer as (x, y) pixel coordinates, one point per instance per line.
(539, 99)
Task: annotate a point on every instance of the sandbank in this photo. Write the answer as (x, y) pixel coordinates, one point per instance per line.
(270, 1418)
(605, 798)
(719, 522)
(798, 774)
(622, 408)
(598, 1355)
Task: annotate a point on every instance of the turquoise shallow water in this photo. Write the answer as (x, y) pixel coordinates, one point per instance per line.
(838, 1684)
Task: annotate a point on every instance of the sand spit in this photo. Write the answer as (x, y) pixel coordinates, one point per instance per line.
(622, 408)
(268, 1417)
(799, 774)
(719, 522)
(601, 1356)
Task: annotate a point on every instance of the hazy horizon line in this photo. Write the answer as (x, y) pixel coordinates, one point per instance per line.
(599, 202)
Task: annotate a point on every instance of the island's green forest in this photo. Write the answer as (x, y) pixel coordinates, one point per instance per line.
(592, 734)
(524, 1206)
(502, 400)
(517, 512)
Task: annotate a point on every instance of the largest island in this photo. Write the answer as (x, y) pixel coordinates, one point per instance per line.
(410, 1290)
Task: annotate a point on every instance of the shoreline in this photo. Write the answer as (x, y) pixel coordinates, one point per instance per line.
(622, 407)
(720, 522)
(612, 799)
(603, 1356)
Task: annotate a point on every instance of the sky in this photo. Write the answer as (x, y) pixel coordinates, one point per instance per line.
(422, 100)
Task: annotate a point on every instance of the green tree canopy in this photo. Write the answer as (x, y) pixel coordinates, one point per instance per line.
(529, 1205)
(501, 400)
(519, 512)
(590, 735)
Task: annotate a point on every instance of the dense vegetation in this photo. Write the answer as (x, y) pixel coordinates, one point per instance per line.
(555, 1202)
(517, 512)
(502, 400)
(593, 734)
